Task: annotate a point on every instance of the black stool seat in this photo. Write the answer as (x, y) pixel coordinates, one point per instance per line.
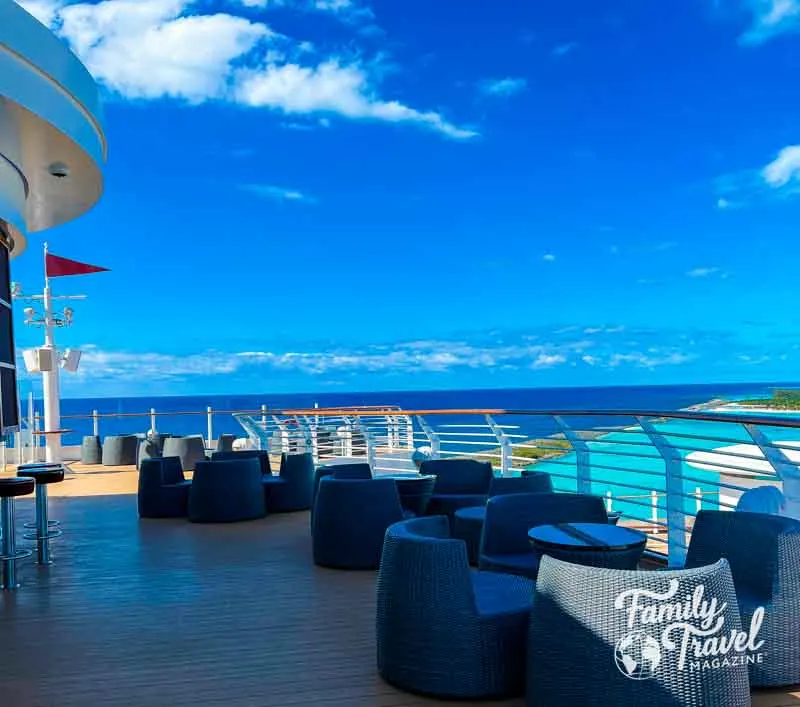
(16, 486)
(44, 475)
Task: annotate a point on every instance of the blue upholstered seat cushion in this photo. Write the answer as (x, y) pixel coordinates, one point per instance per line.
(520, 563)
(497, 593)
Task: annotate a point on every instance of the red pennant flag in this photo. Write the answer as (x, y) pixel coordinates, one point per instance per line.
(55, 266)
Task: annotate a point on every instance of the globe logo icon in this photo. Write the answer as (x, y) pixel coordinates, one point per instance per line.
(637, 655)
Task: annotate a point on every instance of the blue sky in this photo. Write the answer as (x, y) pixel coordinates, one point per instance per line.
(327, 195)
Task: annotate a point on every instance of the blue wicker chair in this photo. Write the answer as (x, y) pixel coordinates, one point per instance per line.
(148, 449)
(226, 491)
(442, 629)
(350, 521)
(505, 546)
(120, 450)
(338, 471)
(357, 470)
(191, 450)
(467, 523)
(531, 483)
(225, 443)
(262, 455)
(583, 650)
(163, 490)
(460, 483)
(764, 554)
(291, 490)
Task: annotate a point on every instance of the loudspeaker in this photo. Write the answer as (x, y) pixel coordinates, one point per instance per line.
(38, 360)
(72, 357)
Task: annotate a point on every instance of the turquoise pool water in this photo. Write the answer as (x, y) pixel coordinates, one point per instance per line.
(614, 469)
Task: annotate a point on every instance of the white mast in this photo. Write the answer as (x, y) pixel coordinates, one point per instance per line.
(50, 392)
(48, 359)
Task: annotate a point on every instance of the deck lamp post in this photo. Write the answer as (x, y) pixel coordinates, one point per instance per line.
(52, 149)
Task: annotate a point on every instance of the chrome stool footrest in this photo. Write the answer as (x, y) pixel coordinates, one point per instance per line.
(18, 555)
(51, 523)
(50, 535)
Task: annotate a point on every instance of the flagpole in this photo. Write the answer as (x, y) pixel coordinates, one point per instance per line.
(50, 387)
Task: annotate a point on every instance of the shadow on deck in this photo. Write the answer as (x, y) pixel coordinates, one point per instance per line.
(157, 613)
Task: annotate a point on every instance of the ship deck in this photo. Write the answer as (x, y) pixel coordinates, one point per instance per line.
(152, 613)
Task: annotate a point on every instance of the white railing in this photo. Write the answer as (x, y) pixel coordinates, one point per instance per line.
(657, 469)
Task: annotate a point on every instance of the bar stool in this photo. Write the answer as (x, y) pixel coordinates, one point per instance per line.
(22, 470)
(10, 488)
(43, 475)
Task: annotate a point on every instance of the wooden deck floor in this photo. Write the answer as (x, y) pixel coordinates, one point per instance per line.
(167, 613)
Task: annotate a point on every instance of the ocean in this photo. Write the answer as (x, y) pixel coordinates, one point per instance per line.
(629, 473)
(183, 419)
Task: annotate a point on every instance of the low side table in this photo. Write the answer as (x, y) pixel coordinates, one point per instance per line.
(594, 544)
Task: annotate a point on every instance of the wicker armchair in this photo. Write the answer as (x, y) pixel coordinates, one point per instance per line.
(530, 483)
(163, 491)
(226, 491)
(120, 450)
(261, 455)
(442, 629)
(191, 449)
(356, 470)
(586, 648)
(764, 555)
(505, 546)
(460, 483)
(350, 520)
(291, 490)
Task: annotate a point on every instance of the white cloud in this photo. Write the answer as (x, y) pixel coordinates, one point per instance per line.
(276, 193)
(784, 169)
(150, 49)
(45, 11)
(649, 360)
(503, 87)
(109, 367)
(702, 272)
(723, 204)
(770, 19)
(563, 49)
(549, 257)
(330, 87)
(548, 360)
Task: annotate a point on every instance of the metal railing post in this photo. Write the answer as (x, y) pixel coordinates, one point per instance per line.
(506, 452)
(95, 423)
(609, 502)
(312, 432)
(369, 442)
(676, 516)
(433, 438)
(583, 467)
(347, 442)
(263, 414)
(153, 420)
(284, 432)
(784, 467)
(209, 425)
(409, 432)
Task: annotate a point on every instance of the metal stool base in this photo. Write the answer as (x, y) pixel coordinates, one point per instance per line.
(50, 523)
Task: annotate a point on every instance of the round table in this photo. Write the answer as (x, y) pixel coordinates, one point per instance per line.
(594, 544)
(468, 526)
(414, 490)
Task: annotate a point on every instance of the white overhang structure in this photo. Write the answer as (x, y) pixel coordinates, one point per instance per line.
(52, 149)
